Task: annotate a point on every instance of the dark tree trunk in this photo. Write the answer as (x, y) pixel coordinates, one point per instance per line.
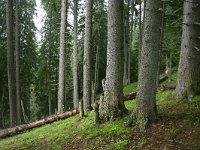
(18, 100)
(10, 60)
(146, 101)
(161, 43)
(126, 41)
(188, 83)
(111, 104)
(140, 35)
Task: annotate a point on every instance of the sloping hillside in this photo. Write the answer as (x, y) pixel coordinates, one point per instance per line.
(177, 127)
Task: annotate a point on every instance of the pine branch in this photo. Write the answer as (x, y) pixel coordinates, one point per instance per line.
(197, 49)
(197, 23)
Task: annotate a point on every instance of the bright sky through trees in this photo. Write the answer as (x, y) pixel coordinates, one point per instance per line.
(38, 19)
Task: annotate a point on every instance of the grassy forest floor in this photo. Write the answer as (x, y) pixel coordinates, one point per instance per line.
(177, 127)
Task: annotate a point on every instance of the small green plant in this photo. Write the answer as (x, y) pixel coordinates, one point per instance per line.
(120, 144)
(175, 130)
(141, 142)
(57, 147)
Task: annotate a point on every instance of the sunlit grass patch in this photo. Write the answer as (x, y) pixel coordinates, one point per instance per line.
(130, 88)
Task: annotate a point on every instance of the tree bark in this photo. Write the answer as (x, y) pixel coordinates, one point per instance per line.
(81, 109)
(111, 104)
(10, 60)
(49, 66)
(23, 112)
(94, 84)
(87, 57)
(161, 43)
(25, 127)
(96, 114)
(188, 82)
(62, 58)
(168, 69)
(146, 101)
(126, 41)
(18, 101)
(75, 73)
(140, 35)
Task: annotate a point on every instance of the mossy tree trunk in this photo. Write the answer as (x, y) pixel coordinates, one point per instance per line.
(146, 95)
(112, 105)
(188, 82)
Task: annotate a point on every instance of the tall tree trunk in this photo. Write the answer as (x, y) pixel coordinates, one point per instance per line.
(75, 73)
(129, 62)
(140, 35)
(161, 42)
(146, 101)
(112, 105)
(67, 104)
(18, 101)
(126, 41)
(188, 83)
(97, 70)
(62, 58)
(10, 60)
(87, 57)
(94, 84)
(49, 66)
(130, 45)
(49, 83)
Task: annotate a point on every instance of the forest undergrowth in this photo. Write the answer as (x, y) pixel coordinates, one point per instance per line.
(177, 127)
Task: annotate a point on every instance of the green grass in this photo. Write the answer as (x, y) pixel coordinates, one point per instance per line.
(53, 136)
(120, 144)
(107, 129)
(130, 105)
(174, 77)
(60, 131)
(130, 88)
(51, 133)
(162, 98)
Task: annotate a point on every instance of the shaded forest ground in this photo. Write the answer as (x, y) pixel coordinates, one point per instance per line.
(177, 127)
